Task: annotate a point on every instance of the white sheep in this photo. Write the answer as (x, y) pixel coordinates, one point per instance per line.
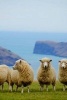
(4, 75)
(46, 74)
(62, 74)
(26, 74)
(14, 77)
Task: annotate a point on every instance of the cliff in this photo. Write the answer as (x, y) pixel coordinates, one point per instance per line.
(7, 57)
(51, 48)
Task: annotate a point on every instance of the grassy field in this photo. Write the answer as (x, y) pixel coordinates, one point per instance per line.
(34, 94)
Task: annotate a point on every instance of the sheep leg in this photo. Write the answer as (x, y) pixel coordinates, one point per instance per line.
(53, 84)
(22, 89)
(41, 87)
(16, 88)
(2, 87)
(28, 89)
(63, 87)
(54, 88)
(10, 88)
(46, 87)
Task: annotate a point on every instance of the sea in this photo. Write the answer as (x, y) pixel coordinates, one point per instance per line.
(22, 44)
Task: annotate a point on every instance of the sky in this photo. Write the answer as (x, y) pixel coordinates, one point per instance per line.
(33, 15)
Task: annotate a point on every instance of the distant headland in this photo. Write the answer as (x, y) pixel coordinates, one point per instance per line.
(7, 57)
(51, 48)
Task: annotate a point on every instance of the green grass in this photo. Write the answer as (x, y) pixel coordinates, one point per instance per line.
(34, 94)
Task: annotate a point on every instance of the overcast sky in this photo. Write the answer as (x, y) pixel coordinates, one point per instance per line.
(33, 15)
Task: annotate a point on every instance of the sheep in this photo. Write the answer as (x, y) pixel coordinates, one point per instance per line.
(26, 74)
(14, 77)
(46, 74)
(62, 74)
(4, 75)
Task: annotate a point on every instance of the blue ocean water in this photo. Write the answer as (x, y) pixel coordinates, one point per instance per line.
(22, 43)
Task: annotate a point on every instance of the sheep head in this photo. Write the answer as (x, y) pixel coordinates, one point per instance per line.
(63, 63)
(45, 62)
(18, 65)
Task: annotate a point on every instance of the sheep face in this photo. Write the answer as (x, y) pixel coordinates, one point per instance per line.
(45, 62)
(17, 65)
(63, 64)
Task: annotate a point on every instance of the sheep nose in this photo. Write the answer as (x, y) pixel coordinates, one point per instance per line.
(45, 64)
(45, 67)
(63, 65)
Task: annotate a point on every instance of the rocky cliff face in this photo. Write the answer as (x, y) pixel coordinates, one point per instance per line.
(7, 57)
(51, 48)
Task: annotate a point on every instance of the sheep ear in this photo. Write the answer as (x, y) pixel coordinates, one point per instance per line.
(40, 60)
(59, 61)
(29, 63)
(20, 61)
(50, 60)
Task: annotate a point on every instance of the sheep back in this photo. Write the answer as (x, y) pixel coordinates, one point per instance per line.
(4, 74)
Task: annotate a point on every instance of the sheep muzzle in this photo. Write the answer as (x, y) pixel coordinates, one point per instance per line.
(45, 64)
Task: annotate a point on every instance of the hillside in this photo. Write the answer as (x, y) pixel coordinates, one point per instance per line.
(7, 57)
(51, 48)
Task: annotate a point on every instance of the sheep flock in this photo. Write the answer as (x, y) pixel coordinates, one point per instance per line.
(22, 74)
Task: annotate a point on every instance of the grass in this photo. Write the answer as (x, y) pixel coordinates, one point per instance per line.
(35, 93)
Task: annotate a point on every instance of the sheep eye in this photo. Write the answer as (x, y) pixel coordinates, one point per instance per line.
(48, 62)
(42, 62)
(59, 61)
